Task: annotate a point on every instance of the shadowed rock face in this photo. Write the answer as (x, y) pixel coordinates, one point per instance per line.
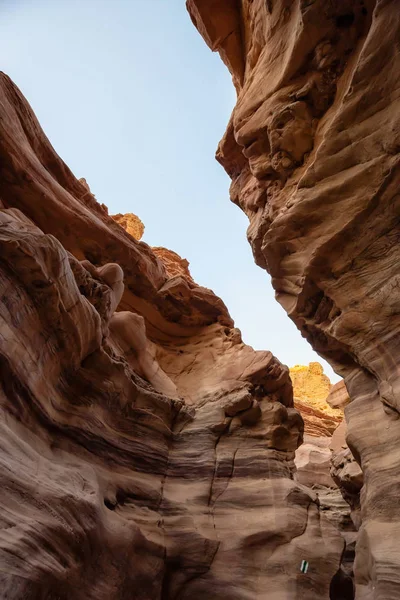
(146, 452)
(313, 151)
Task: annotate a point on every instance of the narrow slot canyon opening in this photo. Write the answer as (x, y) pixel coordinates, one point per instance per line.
(148, 354)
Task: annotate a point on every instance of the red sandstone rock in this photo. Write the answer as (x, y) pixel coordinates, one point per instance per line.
(174, 264)
(123, 473)
(338, 396)
(313, 152)
(313, 462)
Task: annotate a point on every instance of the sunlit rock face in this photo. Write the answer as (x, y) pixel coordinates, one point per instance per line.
(313, 152)
(131, 223)
(146, 452)
(310, 383)
(311, 390)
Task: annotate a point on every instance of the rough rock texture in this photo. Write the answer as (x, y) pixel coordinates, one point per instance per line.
(326, 465)
(145, 452)
(131, 223)
(348, 476)
(174, 264)
(313, 151)
(317, 422)
(311, 388)
(310, 383)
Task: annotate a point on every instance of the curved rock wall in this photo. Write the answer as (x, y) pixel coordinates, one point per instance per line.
(146, 451)
(313, 152)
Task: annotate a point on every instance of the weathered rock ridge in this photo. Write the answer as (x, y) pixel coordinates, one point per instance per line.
(173, 263)
(131, 223)
(312, 148)
(146, 451)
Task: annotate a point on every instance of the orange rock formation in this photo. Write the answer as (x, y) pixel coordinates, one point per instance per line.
(174, 264)
(131, 223)
(311, 388)
(310, 383)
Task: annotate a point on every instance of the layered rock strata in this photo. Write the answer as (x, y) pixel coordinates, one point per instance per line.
(313, 152)
(146, 451)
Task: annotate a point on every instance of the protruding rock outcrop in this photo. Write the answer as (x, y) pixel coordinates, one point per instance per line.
(310, 384)
(131, 223)
(175, 266)
(311, 389)
(146, 451)
(313, 152)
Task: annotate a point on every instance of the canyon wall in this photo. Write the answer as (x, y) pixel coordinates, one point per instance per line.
(312, 148)
(146, 451)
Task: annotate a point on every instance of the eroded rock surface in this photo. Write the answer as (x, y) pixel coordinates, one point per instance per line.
(146, 451)
(313, 152)
(174, 264)
(131, 223)
(310, 383)
(311, 389)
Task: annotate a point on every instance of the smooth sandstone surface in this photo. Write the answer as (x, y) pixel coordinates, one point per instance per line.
(338, 396)
(312, 148)
(145, 451)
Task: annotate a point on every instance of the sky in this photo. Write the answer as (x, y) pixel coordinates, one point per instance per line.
(133, 100)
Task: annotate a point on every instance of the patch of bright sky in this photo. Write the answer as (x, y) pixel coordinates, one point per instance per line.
(134, 101)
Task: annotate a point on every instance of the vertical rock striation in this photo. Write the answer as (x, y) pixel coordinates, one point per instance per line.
(312, 148)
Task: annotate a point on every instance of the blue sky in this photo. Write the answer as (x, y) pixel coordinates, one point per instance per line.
(134, 101)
